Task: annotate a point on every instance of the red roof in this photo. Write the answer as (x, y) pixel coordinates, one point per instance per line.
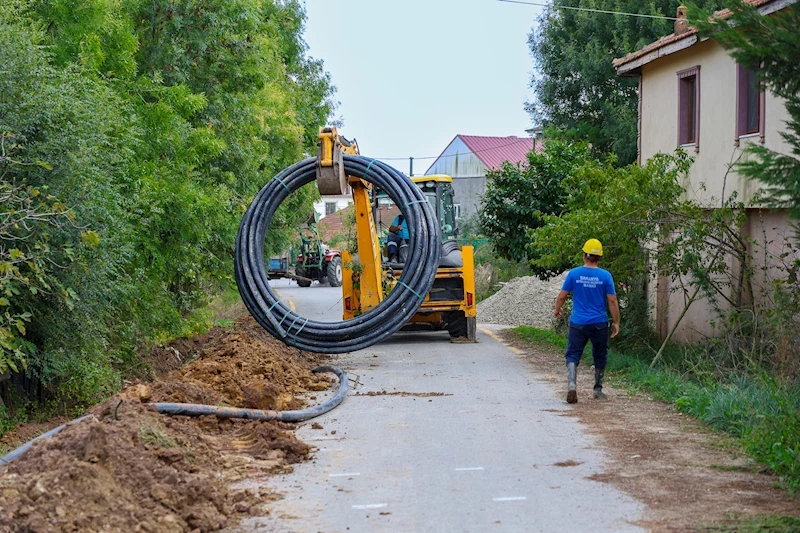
(334, 224)
(675, 37)
(494, 151)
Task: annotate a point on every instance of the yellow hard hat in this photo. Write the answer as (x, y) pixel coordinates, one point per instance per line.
(593, 247)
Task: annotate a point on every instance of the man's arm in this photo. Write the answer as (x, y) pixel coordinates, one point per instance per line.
(613, 306)
(560, 299)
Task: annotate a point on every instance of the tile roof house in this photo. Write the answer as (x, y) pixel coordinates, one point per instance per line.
(693, 95)
(468, 158)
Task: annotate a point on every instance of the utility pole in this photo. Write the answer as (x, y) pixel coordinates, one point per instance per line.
(410, 167)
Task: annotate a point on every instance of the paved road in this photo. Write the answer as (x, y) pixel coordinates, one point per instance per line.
(466, 438)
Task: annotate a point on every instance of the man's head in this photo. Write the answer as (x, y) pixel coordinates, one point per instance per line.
(592, 250)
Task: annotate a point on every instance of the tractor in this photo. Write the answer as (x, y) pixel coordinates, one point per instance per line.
(315, 261)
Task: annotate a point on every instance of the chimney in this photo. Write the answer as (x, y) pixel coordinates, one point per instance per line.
(681, 25)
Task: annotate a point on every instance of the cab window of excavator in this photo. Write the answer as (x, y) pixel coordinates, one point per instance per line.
(443, 208)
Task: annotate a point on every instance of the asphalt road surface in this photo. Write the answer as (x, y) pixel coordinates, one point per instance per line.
(441, 437)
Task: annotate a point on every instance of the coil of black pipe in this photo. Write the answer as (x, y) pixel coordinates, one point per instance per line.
(370, 327)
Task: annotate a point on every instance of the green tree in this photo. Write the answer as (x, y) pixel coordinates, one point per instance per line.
(769, 46)
(158, 122)
(576, 89)
(517, 196)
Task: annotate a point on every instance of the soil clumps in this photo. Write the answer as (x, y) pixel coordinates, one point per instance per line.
(129, 468)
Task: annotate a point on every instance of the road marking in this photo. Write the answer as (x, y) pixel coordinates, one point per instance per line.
(346, 474)
(509, 499)
(292, 306)
(370, 506)
(496, 337)
(468, 468)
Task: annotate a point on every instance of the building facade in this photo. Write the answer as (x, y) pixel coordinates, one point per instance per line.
(468, 158)
(693, 95)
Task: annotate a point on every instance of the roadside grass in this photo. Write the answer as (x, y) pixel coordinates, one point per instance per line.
(761, 413)
(755, 524)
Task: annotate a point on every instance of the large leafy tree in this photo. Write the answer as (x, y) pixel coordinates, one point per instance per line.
(517, 196)
(576, 89)
(141, 129)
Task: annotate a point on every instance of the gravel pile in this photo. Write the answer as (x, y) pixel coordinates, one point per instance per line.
(524, 301)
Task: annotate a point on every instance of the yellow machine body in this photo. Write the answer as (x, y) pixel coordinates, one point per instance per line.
(368, 278)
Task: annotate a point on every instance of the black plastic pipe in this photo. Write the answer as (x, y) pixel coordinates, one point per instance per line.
(193, 409)
(14, 454)
(376, 324)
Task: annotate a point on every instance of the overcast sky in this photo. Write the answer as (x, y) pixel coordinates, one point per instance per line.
(412, 74)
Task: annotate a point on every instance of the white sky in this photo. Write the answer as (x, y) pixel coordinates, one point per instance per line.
(412, 74)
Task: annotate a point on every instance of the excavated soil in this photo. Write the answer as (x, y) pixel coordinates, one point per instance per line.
(130, 469)
(690, 477)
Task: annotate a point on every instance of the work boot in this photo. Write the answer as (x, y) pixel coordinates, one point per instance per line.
(599, 373)
(572, 383)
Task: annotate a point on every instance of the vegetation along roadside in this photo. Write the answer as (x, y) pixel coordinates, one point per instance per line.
(760, 412)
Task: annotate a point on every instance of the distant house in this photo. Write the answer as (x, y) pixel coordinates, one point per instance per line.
(335, 227)
(692, 94)
(328, 205)
(468, 158)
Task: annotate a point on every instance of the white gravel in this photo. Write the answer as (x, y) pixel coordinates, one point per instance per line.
(524, 301)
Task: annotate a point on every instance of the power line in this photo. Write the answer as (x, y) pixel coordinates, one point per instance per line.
(589, 10)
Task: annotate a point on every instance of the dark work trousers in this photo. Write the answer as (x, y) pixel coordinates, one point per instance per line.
(579, 335)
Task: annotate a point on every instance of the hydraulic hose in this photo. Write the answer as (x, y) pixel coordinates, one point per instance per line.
(193, 409)
(368, 328)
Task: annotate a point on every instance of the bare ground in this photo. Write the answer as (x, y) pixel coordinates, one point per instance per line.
(690, 477)
(131, 469)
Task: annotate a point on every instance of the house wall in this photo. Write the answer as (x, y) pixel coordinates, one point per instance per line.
(468, 173)
(340, 201)
(707, 181)
(717, 135)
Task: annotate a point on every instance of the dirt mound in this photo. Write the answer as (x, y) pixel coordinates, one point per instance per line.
(130, 469)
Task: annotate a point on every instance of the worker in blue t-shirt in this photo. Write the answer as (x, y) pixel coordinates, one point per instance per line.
(592, 288)
(397, 232)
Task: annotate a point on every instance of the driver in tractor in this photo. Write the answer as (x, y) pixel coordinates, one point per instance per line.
(398, 233)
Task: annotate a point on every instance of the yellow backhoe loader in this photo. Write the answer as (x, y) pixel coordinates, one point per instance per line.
(368, 276)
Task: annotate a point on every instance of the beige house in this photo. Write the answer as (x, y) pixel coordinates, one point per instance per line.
(692, 94)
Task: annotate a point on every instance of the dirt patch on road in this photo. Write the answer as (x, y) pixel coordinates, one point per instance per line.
(130, 469)
(689, 476)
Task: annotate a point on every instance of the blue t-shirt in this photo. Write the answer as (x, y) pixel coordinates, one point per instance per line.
(396, 222)
(589, 287)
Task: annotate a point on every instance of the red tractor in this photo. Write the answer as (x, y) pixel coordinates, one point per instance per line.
(316, 261)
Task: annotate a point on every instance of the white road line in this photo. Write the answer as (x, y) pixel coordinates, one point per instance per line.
(370, 506)
(346, 474)
(468, 468)
(509, 499)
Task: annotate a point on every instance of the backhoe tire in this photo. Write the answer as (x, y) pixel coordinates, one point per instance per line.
(300, 271)
(335, 272)
(461, 327)
(456, 324)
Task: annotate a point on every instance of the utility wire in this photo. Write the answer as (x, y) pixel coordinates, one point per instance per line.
(589, 10)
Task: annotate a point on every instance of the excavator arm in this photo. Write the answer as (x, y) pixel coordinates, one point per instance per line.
(332, 179)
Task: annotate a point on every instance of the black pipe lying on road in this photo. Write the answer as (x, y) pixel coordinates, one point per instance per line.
(192, 409)
(368, 328)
